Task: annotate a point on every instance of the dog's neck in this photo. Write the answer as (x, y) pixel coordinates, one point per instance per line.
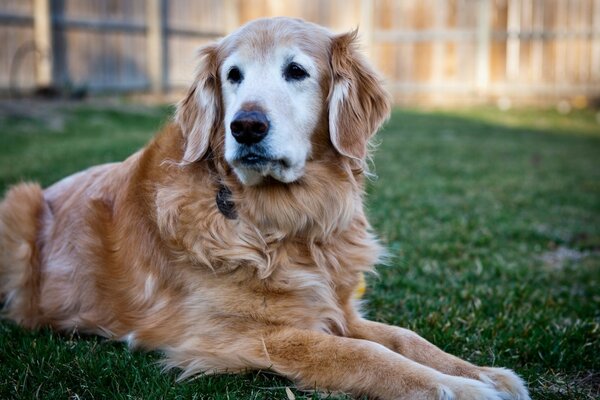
(327, 199)
(316, 207)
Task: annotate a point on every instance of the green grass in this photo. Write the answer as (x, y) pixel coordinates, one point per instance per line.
(493, 224)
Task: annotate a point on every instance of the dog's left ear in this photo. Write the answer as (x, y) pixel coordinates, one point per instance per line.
(199, 113)
(358, 103)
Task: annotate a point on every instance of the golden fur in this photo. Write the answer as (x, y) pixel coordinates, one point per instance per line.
(139, 251)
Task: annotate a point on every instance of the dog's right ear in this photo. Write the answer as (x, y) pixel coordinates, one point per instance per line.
(199, 113)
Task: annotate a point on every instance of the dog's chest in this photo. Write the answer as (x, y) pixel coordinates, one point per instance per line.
(297, 292)
(243, 273)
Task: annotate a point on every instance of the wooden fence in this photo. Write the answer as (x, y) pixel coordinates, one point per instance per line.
(436, 51)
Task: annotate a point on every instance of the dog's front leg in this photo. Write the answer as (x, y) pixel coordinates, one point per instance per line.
(414, 347)
(362, 367)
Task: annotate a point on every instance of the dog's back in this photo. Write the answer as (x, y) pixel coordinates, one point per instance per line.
(42, 237)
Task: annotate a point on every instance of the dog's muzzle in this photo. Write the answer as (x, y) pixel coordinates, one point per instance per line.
(253, 155)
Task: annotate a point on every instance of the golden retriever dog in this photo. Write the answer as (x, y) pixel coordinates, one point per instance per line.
(236, 238)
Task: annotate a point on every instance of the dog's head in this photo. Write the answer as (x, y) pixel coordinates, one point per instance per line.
(273, 95)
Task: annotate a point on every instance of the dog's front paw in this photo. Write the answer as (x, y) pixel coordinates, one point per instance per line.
(458, 388)
(509, 384)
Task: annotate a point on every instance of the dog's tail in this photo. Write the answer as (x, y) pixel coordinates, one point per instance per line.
(21, 215)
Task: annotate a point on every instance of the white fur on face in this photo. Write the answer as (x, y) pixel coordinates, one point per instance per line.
(291, 106)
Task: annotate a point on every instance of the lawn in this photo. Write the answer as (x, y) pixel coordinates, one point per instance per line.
(492, 220)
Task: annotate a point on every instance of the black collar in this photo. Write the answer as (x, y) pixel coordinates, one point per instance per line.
(224, 202)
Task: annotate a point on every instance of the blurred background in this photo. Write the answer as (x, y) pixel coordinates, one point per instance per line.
(488, 188)
(436, 52)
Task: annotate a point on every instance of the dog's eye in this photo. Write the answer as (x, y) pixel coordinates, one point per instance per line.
(294, 72)
(234, 75)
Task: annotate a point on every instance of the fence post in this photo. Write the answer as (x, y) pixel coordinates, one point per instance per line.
(42, 34)
(483, 45)
(155, 44)
(366, 27)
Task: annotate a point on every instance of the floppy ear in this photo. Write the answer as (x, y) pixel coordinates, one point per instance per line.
(199, 113)
(358, 103)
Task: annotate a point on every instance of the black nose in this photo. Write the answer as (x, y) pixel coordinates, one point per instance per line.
(249, 127)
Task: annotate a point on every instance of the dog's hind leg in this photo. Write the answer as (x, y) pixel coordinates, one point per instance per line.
(21, 214)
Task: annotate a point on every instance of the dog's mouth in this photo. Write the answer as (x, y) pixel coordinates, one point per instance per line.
(260, 162)
(252, 166)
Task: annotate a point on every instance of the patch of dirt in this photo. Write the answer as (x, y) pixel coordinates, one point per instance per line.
(33, 114)
(53, 114)
(43, 109)
(583, 384)
(561, 256)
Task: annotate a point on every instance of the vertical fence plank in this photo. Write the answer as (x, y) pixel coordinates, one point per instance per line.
(461, 45)
(595, 56)
(561, 51)
(573, 45)
(398, 50)
(585, 42)
(584, 48)
(484, 31)
(537, 55)
(42, 33)
(513, 41)
(440, 17)
(366, 26)
(155, 40)
(526, 41)
(232, 15)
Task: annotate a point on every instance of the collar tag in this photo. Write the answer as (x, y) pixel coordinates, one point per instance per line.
(224, 203)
